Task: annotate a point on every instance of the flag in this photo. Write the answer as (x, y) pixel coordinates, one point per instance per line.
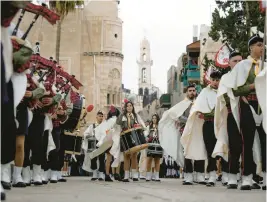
(263, 5)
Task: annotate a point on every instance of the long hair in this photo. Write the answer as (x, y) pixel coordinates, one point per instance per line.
(151, 123)
(125, 110)
(110, 114)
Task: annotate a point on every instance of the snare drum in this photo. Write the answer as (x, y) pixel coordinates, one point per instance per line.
(72, 143)
(154, 150)
(133, 140)
(91, 144)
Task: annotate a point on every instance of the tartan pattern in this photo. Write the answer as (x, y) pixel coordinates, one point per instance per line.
(74, 96)
(43, 63)
(32, 86)
(252, 97)
(49, 15)
(63, 104)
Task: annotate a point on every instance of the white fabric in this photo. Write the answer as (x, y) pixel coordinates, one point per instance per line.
(232, 80)
(247, 180)
(19, 88)
(232, 178)
(48, 125)
(26, 174)
(260, 85)
(54, 175)
(17, 175)
(212, 177)
(7, 52)
(6, 172)
(192, 138)
(37, 173)
(30, 116)
(169, 135)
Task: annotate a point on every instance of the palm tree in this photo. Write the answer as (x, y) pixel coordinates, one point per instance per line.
(62, 8)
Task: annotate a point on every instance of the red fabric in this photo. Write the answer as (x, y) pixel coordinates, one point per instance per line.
(49, 15)
(252, 97)
(74, 96)
(56, 122)
(63, 104)
(31, 83)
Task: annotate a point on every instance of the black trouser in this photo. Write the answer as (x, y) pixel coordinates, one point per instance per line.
(235, 144)
(199, 166)
(8, 126)
(242, 144)
(22, 118)
(34, 141)
(61, 152)
(101, 159)
(53, 156)
(262, 137)
(225, 166)
(210, 142)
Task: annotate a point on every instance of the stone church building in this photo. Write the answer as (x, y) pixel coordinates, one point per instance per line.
(90, 48)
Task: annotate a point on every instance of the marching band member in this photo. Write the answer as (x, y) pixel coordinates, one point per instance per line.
(198, 137)
(126, 121)
(153, 138)
(170, 134)
(240, 88)
(232, 129)
(89, 132)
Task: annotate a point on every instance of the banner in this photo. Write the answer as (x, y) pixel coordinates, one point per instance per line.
(263, 5)
(222, 56)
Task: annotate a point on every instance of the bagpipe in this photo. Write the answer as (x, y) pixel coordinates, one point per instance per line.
(43, 75)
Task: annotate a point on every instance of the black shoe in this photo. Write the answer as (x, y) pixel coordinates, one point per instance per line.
(19, 184)
(153, 180)
(232, 186)
(6, 185)
(264, 187)
(3, 196)
(225, 184)
(202, 183)
(210, 184)
(157, 180)
(116, 176)
(38, 183)
(100, 179)
(53, 181)
(245, 187)
(108, 179)
(219, 178)
(142, 178)
(28, 184)
(93, 179)
(255, 186)
(45, 182)
(125, 180)
(187, 183)
(148, 180)
(135, 179)
(62, 180)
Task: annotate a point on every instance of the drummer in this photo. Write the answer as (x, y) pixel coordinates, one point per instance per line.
(90, 133)
(153, 138)
(127, 120)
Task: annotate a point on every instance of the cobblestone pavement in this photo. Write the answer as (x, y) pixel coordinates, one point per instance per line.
(80, 189)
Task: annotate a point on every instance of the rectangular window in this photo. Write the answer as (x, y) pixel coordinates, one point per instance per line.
(108, 99)
(113, 99)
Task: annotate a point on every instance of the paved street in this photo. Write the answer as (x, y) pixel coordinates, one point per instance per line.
(80, 189)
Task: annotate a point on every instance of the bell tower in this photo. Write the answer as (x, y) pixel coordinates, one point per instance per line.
(144, 64)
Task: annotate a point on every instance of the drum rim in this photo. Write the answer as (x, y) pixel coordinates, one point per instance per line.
(130, 130)
(142, 146)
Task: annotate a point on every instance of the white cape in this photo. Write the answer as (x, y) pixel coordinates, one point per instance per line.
(169, 135)
(192, 138)
(232, 80)
(260, 85)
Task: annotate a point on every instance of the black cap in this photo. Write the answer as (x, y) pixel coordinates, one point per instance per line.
(99, 113)
(233, 54)
(254, 39)
(216, 74)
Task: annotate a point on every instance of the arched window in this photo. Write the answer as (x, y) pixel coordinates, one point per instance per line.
(140, 91)
(144, 75)
(144, 57)
(146, 91)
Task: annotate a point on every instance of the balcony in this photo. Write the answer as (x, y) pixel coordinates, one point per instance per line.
(165, 101)
(193, 75)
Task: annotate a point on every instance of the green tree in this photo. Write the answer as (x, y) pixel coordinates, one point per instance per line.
(233, 19)
(62, 8)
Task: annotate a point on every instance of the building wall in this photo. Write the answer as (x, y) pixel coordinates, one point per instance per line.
(94, 28)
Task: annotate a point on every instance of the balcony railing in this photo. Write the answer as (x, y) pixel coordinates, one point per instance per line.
(165, 101)
(193, 75)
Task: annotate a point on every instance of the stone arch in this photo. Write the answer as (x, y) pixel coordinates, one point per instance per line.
(114, 74)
